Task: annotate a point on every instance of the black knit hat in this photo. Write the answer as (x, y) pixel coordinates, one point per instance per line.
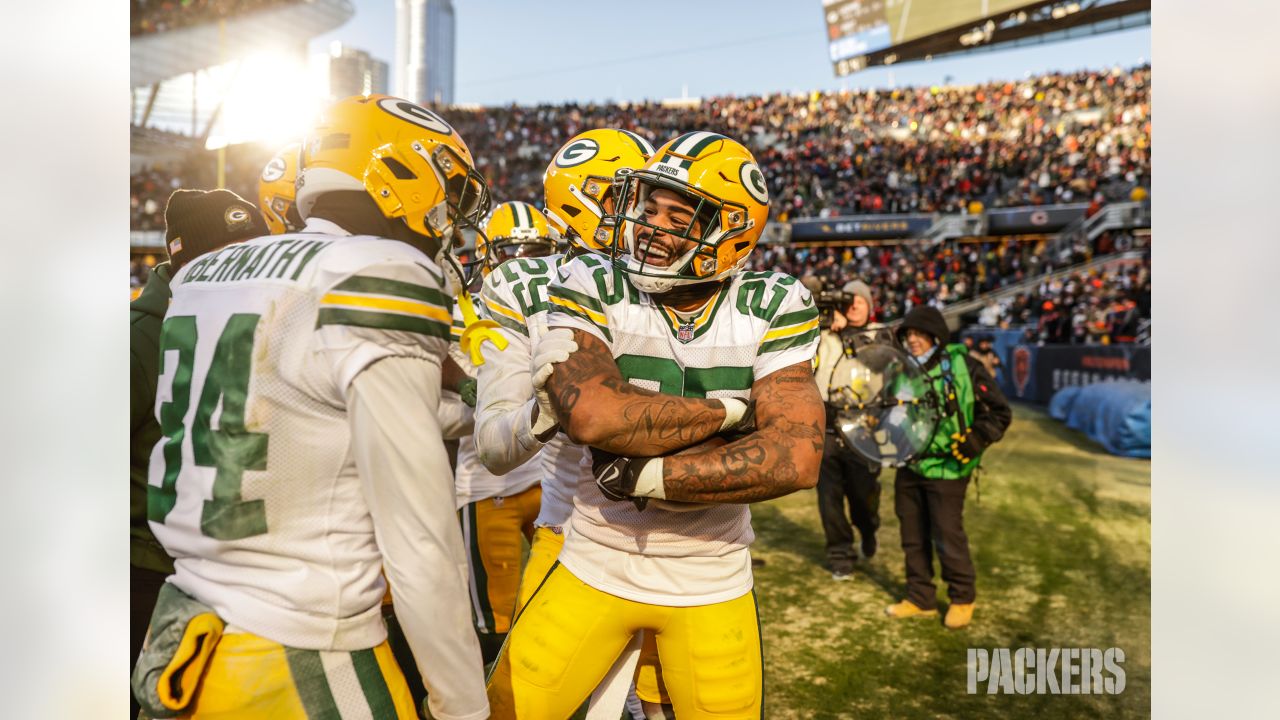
(199, 221)
(925, 318)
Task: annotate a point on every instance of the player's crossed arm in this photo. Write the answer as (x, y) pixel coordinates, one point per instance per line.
(782, 455)
(597, 407)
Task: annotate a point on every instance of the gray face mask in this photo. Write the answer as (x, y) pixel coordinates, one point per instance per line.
(924, 357)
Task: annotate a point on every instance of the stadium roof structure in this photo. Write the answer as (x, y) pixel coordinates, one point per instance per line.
(1031, 23)
(159, 56)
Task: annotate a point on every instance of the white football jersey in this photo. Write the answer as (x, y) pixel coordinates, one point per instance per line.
(255, 492)
(472, 480)
(758, 323)
(515, 295)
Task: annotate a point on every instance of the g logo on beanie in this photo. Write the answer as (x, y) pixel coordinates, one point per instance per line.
(236, 218)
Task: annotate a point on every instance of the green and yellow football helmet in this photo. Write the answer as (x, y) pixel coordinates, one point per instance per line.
(277, 191)
(412, 163)
(515, 229)
(728, 202)
(578, 184)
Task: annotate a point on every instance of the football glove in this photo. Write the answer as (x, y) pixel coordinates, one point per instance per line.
(965, 446)
(555, 346)
(621, 478)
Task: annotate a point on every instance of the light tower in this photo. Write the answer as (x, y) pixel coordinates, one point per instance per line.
(425, 50)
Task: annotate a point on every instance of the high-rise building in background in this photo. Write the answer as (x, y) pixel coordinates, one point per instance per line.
(424, 50)
(345, 71)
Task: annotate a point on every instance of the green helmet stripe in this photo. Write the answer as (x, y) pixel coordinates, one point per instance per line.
(646, 148)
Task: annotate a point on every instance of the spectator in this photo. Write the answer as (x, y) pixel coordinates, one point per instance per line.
(845, 479)
(196, 222)
(929, 492)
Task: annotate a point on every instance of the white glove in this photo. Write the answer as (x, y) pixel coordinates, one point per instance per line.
(556, 345)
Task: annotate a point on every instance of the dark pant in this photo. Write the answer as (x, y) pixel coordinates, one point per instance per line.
(846, 478)
(931, 513)
(144, 588)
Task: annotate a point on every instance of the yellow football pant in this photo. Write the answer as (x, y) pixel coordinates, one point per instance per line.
(543, 552)
(570, 634)
(250, 677)
(546, 547)
(494, 530)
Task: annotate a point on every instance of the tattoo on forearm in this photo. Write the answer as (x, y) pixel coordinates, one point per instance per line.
(640, 421)
(779, 458)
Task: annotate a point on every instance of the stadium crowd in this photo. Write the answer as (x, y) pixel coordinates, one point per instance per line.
(1056, 138)
(1103, 305)
(150, 16)
(1050, 138)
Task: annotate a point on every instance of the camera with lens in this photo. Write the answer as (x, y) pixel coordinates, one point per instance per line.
(829, 303)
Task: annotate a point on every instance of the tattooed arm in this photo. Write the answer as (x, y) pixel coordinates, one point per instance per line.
(597, 407)
(783, 455)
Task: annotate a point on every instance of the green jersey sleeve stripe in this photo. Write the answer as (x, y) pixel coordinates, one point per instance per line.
(794, 318)
(382, 321)
(582, 299)
(787, 343)
(397, 288)
(571, 312)
(510, 324)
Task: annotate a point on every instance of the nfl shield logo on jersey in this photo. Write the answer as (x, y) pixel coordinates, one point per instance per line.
(684, 333)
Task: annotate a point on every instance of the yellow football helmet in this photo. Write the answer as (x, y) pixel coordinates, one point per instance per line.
(578, 184)
(727, 204)
(276, 191)
(412, 163)
(515, 229)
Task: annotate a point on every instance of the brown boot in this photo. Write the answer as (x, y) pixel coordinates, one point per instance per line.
(958, 615)
(906, 609)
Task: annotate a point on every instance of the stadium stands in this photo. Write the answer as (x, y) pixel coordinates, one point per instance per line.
(1049, 139)
(151, 16)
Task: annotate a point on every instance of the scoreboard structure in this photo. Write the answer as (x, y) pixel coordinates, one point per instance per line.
(865, 33)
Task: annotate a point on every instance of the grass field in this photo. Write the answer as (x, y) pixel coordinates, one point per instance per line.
(1061, 537)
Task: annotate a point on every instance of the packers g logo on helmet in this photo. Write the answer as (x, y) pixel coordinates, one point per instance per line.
(578, 184)
(753, 181)
(416, 114)
(277, 191)
(729, 200)
(577, 152)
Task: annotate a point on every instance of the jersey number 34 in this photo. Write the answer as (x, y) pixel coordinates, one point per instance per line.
(229, 448)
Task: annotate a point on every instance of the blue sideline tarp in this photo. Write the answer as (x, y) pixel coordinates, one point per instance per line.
(1115, 414)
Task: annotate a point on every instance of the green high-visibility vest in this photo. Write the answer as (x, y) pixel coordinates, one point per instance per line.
(937, 462)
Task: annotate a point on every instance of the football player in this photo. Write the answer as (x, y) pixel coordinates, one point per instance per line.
(578, 186)
(302, 450)
(667, 345)
(515, 230)
(497, 512)
(277, 191)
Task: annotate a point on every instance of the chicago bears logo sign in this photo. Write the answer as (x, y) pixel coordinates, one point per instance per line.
(1021, 368)
(577, 152)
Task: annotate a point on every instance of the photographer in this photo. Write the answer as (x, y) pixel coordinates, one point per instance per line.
(845, 477)
(928, 495)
